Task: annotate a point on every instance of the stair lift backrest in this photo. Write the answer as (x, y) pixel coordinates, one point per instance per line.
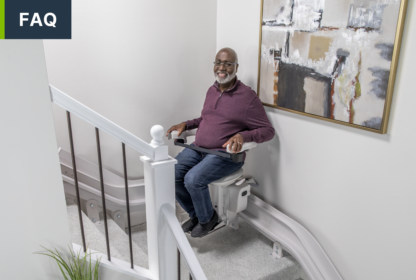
(228, 194)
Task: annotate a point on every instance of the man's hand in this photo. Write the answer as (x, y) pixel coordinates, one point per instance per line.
(236, 142)
(179, 127)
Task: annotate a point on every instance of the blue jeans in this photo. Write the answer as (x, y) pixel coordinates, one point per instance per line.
(193, 172)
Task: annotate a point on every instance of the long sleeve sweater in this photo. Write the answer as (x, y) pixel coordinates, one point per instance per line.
(236, 110)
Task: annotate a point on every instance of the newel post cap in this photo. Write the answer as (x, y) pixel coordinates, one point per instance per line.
(157, 132)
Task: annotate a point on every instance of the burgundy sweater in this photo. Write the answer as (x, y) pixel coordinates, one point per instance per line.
(236, 110)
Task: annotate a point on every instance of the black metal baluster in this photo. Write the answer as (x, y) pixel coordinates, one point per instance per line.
(179, 265)
(97, 136)
(127, 203)
(74, 168)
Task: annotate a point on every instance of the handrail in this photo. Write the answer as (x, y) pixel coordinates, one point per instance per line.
(183, 243)
(74, 107)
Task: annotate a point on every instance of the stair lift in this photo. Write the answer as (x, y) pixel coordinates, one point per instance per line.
(229, 194)
(231, 197)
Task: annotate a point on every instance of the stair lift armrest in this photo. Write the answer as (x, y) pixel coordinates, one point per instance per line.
(246, 147)
(182, 140)
(174, 134)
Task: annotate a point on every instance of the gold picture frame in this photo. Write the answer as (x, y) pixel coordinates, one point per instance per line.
(390, 85)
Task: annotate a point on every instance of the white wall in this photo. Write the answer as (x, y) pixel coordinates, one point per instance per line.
(31, 190)
(353, 190)
(138, 63)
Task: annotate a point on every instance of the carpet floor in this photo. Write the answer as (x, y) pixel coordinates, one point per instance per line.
(225, 254)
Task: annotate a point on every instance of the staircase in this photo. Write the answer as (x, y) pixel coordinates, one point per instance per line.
(225, 254)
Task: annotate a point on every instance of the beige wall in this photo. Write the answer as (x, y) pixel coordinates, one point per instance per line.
(353, 190)
(31, 191)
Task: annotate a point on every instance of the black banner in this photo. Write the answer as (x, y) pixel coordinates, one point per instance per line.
(37, 19)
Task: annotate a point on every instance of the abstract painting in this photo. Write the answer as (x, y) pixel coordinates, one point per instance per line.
(331, 59)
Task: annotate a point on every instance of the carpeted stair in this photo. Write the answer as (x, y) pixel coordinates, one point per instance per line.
(225, 254)
(95, 237)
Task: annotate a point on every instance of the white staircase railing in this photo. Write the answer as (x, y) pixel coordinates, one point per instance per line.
(164, 232)
(80, 110)
(182, 243)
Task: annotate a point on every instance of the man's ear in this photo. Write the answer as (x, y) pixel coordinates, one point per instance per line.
(236, 68)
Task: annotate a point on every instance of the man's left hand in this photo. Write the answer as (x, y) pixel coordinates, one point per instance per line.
(236, 142)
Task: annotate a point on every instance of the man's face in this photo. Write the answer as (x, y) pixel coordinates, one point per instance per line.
(225, 73)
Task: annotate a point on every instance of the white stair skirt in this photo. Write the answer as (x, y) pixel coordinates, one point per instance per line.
(88, 173)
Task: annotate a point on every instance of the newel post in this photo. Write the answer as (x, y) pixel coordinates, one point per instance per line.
(159, 176)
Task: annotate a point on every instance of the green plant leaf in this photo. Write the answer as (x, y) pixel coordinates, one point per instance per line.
(75, 267)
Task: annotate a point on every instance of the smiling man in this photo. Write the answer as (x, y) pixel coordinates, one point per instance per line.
(232, 114)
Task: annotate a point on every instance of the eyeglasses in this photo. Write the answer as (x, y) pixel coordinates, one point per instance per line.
(226, 64)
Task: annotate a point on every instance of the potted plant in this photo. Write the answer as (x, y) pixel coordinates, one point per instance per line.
(76, 267)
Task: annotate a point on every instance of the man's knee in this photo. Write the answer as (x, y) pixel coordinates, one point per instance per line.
(193, 180)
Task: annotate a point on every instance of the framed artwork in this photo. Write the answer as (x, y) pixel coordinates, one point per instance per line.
(334, 60)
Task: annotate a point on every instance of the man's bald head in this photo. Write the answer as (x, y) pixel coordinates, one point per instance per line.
(231, 54)
(226, 66)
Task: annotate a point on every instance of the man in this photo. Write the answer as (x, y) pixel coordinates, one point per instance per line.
(232, 114)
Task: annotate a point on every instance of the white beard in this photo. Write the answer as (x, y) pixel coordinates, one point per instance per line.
(225, 80)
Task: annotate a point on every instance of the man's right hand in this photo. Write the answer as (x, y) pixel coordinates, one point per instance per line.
(179, 127)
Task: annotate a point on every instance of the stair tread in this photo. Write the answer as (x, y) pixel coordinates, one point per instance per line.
(240, 254)
(120, 239)
(95, 237)
(235, 254)
(139, 236)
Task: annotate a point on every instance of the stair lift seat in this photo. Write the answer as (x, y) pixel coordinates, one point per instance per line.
(228, 180)
(228, 194)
